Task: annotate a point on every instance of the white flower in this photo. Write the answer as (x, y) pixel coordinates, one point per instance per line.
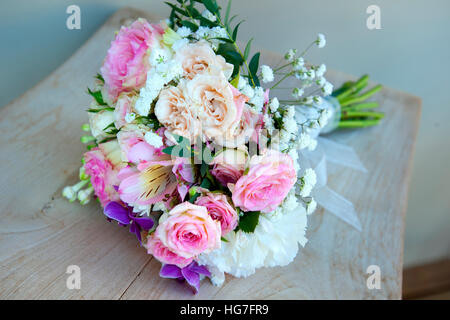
(153, 139)
(184, 32)
(299, 63)
(311, 206)
(274, 243)
(321, 70)
(305, 141)
(84, 196)
(268, 123)
(99, 121)
(248, 91)
(297, 93)
(274, 105)
(242, 83)
(308, 181)
(267, 74)
(157, 78)
(325, 115)
(129, 117)
(177, 45)
(258, 99)
(327, 89)
(290, 55)
(321, 81)
(208, 15)
(321, 41)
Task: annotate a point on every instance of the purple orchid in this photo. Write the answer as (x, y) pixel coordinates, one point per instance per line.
(191, 273)
(125, 216)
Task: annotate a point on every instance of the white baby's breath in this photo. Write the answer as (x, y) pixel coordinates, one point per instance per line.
(267, 74)
(153, 139)
(321, 41)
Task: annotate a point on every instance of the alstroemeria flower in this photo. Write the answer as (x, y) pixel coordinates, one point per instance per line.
(191, 273)
(125, 216)
(152, 182)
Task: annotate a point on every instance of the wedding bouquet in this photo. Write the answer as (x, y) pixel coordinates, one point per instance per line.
(189, 149)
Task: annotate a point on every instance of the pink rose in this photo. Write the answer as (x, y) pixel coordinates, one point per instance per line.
(268, 181)
(163, 254)
(228, 166)
(187, 230)
(220, 209)
(125, 105)
(102, 164)
(134, 147)
(126, 64)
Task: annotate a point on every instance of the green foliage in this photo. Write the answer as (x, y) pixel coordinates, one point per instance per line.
(249, 221)
(97, 95)
(253, 68)
(184, 13)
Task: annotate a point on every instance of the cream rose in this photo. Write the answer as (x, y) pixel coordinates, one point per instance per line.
(199, 58)
(214, 102)
(174, 111)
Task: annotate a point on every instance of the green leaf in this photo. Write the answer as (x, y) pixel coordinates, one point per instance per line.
(111, 125)
(211, 5)
(100, 78)
(247, 49)
(168, 150)
(203, 169)
(253, 68)
(227, 13)
(97, 95)
(223, 39)
(235, 31)
(176, 9)
(206, 183)
(223, 239)
(235, 81)
(194, 197)
(190, 25)
(100, 109)
(249, 221)
(207, 23)
(254, 64)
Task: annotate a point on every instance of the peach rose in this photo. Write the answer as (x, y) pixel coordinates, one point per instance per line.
(268, 181)
(228, 166)
(174, 111)
(220, 209)
(198, 58)
(215, 104)
(187, 230)
(163, 254)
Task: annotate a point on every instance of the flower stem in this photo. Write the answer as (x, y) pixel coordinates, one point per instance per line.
(361, 98)
(361, 114)
(361, 106)
(358, 124)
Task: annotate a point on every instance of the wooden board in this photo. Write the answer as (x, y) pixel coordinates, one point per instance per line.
(429, 281)
(41, 234)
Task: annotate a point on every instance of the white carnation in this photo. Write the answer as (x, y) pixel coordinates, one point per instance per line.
(273, 243)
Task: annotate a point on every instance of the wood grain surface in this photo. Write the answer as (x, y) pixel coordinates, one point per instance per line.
(41, 234)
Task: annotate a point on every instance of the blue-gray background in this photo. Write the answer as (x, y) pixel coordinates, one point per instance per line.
(411, 52)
